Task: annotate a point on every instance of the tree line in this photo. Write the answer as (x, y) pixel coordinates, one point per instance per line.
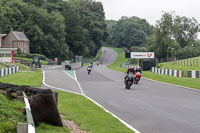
(172, 36)
(57, 28)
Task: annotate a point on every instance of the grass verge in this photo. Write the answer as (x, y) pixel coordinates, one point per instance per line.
(170, 65)
(10, 115)
(24, 78)
(91, 59)
(89, 116)
(187, 82)
(30, 60)
(46, 128)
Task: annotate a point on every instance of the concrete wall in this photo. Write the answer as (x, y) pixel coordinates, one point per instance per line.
(76, 65)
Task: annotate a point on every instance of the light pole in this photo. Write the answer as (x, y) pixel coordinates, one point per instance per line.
(167, 53)
(172, 53)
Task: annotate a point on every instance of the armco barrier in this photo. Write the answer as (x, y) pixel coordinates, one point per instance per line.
(31, 125)
(194, 74)
(9, 70)
(171, 72)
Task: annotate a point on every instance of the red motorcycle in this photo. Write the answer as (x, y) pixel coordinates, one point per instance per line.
(137, 77)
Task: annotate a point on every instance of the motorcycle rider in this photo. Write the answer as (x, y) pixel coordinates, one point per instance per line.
(91, 64)
(138, 69)
(130, 70)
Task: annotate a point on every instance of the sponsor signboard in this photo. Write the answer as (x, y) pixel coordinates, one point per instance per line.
(143, 55)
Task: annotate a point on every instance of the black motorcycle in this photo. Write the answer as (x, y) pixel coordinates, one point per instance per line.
(89, 69)
(129, 80)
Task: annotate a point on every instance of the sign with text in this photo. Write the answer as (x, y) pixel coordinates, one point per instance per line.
(142, 55)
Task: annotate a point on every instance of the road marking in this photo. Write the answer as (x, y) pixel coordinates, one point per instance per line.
(56, 88)
(122, 121)
(75, 78)
(71, 73)
(82, 93)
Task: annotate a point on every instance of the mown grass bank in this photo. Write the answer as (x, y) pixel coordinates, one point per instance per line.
(30, 60)
(10, 115)
(29, 78)
(89, 60)
(187, 82)
(184, 68)
(88, 115)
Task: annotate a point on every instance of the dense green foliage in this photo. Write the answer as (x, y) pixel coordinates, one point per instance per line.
(128, 32)
(10, 115)
(56, 28)
(174, 36)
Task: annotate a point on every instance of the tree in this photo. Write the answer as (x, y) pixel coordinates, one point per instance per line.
(128, 32)
(172, 32)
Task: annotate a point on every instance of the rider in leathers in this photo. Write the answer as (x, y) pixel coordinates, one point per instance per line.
(130, 70)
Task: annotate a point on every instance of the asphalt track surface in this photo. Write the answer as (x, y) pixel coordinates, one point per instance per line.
(150, 107)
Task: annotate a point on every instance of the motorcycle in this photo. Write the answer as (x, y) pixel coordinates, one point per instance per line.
(129, 80)
(89, 69)
(137, 77)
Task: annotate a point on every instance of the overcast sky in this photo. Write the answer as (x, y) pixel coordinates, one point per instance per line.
(151, 10)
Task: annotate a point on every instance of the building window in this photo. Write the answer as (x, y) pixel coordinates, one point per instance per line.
(1, 54)
(7, 54)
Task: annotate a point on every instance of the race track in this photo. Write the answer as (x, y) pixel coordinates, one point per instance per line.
(150, 107)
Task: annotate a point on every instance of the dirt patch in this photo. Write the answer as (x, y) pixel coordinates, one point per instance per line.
(74, 128)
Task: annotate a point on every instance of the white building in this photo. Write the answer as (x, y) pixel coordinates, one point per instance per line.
(6, 54)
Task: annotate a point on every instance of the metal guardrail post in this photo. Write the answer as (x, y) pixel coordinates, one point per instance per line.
(31, 125)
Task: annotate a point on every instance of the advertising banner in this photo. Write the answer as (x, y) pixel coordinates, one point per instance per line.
(143, 55)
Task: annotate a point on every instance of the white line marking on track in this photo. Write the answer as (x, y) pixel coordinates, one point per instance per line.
(56, 88)
(82, 93)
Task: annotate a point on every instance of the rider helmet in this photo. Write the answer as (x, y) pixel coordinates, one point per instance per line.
(131, 68)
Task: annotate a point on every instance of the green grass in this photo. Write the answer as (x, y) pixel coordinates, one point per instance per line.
(24, 78)
(184, 81)
(171, 65)
(46, 128)
(10, 115)
(22, 67)
(89, 116)
(2, 66)
(188, 82)
(99, 55)
(120, 59)
(30, 60)
(90, 59)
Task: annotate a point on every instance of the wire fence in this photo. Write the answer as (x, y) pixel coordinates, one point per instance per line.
(191, 62)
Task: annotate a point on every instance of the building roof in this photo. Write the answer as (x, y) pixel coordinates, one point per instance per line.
(8, 49)
(2, 35)
(20, 36)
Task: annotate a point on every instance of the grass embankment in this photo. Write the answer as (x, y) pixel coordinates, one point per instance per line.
(30, 60)
(88, 60)
(29, 77)
(180, 65)
(188, 82)
(46, 128)
(89, 116)
(10, 115)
